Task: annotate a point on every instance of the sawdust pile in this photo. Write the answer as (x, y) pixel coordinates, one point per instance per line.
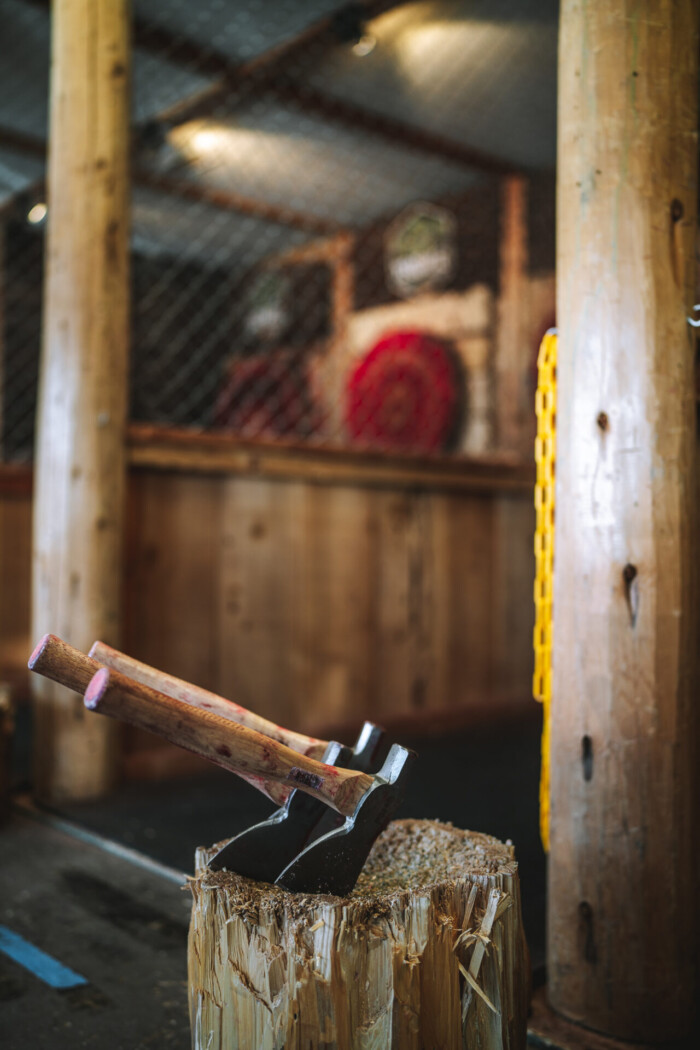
(409, 856)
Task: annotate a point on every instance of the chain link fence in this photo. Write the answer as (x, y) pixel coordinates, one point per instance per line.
(317, 216)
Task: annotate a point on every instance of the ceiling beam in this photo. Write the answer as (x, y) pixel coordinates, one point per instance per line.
(208, 61)
(185, 189)
(406, 136)
(19, 142)
(263, 74)
(226, 200)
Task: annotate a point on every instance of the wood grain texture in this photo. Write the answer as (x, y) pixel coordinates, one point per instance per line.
(511, 353)
(623, 907)
(228, 744)
(194, 695)
(185, 451)
(80, 471)
(318, 605)
(404, 968)
(70, 667)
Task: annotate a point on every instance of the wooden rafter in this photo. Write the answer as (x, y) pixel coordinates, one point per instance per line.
(227, 200)
(408, 136)
(184, 189)
(270, 73)
(208, 61)
(18, 142)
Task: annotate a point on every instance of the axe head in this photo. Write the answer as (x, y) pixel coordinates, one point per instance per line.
(333, 862)
(264, 850)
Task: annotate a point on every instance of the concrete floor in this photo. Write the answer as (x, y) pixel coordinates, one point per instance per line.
(122, 928)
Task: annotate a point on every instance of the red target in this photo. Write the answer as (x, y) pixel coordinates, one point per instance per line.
(405, 394)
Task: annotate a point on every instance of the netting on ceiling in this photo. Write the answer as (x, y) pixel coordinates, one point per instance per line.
(317, 216)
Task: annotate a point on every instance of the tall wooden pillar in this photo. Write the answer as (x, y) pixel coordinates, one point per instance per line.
(80, 460)
(511, 352)
(623, 879)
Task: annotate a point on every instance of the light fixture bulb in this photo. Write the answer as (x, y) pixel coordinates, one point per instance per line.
(364, 46)
(207, 140)
(37, 213)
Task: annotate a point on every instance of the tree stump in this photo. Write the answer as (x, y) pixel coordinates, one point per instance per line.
(427, 952)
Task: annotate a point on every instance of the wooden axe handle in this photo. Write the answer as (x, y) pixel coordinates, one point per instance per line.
(193, 694)
(228, 744)
(55, 659)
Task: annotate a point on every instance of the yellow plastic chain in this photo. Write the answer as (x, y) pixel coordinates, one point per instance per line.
(545, 457)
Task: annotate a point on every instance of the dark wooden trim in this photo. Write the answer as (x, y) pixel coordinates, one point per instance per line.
(227, 200)
(16, 480)
(29, 145)
(164, 448)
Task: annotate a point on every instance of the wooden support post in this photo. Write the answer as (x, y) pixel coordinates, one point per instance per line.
(80, 457)
(3, 264)
(623, 911)
(512, 359)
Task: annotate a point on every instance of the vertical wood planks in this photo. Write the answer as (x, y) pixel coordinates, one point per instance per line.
(321, 605)
(173, 574)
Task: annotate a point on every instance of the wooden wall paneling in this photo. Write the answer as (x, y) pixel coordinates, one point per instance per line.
(334, 640)
(175, 574)
(513, 576)
(258, 594)
(172, 569)
(322, 605)
(463, 554)
(402, 617)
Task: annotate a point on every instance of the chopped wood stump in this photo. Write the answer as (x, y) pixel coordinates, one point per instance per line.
(427, 951)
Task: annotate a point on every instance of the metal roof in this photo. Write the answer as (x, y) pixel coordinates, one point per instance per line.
(444, 77)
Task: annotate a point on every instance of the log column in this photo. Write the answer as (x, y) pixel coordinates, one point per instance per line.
(623, 918)
(80, 461)
(512, 352)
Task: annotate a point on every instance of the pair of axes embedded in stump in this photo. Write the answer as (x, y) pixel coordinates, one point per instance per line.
(294, 848)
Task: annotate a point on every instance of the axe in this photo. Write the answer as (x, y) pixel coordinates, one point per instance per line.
(332, 861)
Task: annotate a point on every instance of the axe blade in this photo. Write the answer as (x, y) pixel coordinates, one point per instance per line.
(332, 863)
(264, 850)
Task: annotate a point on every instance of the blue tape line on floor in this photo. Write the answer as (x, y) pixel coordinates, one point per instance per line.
(43, 966)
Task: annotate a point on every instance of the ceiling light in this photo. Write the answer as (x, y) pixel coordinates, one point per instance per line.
(365, 45)
(207, 140)
(37, 213)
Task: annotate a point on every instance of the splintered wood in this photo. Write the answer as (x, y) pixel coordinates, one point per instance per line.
(427, 951)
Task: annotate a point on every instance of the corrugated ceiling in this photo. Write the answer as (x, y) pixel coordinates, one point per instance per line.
(481, 73)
